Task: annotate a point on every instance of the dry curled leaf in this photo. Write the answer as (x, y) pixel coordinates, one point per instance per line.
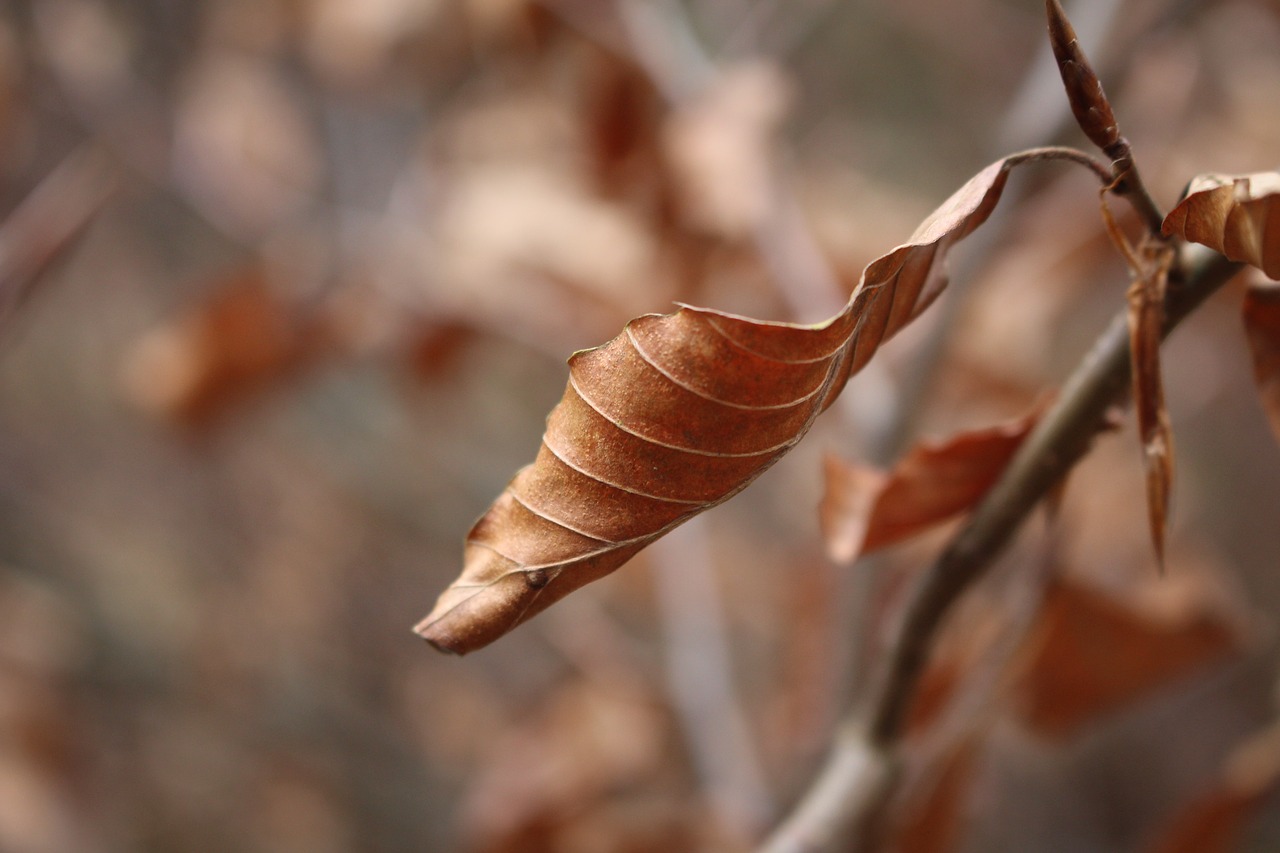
(1237, 215)
(864, 509)
(1262, 328)
(675, 415)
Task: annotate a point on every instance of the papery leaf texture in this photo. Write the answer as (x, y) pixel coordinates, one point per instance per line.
(1262, 328)
(1237, 215)
(675, 415)
(864, 508)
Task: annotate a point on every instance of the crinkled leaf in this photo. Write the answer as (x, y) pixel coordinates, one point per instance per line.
(864, 509)
(1237, 215)
(1262, 328)
(675, 415)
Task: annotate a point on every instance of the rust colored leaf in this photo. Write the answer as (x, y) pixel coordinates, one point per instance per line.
(1211, 824)
(675, 415)
(1146, 323)
(193, 368)
(934, 819)
(1088, 102)
(1262, 328)
(1217, 820)
(1237, 215)
(864, 509)
(1091, 653)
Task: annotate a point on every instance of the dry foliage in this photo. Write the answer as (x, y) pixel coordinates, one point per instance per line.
(349, 249)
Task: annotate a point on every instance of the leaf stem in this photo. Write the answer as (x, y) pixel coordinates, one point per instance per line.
(843, 803)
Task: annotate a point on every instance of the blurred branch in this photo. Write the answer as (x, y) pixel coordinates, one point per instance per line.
(699, 680)
(842, 806)
(47, 223)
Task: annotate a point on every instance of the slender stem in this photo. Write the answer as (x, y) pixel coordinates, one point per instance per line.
(1128, 183)
(843, 802)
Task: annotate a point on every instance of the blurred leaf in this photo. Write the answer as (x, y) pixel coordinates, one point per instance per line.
(1146, 324)
(563, 763)
(1237, 215)
(1216, 820)
(674, 416)
(1262, 328)
(720, 148)
(1210, 824)
(864, 509)
(934, 819)
(245, 337)
(1090, 653)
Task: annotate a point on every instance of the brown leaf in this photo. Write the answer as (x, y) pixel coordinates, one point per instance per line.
(1262, 328)
(1237, 215)
(675, 415)
(1089, 103)
(864, 509)
(193, 368)
(1091, 653)
(1215, 821)
(1146, 324)
(934, 819)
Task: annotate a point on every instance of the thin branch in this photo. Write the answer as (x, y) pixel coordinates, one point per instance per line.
(843, 803)
(47, 223)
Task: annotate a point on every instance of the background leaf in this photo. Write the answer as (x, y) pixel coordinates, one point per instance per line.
(864, 509)
(1262, 328)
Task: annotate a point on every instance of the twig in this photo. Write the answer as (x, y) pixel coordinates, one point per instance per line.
(48, 223)
(700, 684)
(842, 803)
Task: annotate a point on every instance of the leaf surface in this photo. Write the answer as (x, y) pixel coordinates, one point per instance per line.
(864, 509)
(1237, 215)
(1262, 328)
(675, 415)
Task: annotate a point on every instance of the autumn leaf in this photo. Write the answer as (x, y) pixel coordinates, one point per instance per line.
(1237, 215)
(677, 414)
(864, 509)
(194, 367)
(1217, 820)
(1145, 300)
(1091, 653)
(1262, 328)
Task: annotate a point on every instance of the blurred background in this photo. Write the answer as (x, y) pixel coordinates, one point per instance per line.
(252, 399)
